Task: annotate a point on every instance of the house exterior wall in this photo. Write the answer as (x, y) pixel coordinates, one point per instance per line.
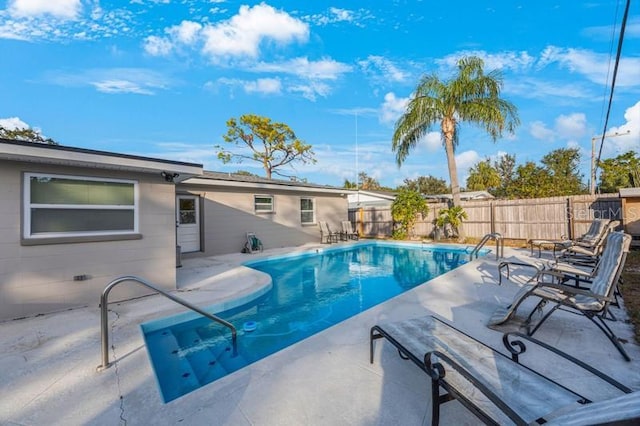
(40, 278)
(228, 214)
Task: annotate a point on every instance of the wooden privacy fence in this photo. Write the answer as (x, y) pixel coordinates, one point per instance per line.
(548, 218)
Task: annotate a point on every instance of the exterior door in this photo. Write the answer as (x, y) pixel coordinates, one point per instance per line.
(188, 222)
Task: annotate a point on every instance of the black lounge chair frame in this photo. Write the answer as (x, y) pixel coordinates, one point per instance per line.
(513, 342)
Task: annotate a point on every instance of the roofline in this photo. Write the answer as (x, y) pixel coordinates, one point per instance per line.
(284, 186)
(15, 150)
(38, 145)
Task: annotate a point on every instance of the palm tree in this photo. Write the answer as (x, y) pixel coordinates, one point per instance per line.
(472, 96)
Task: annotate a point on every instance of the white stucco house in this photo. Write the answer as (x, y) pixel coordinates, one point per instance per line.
(74, 219)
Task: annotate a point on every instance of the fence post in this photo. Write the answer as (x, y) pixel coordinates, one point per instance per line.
(492, 217)
(361, 222)
(570, 219)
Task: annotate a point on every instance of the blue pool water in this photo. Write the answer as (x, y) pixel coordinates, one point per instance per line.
(310, 293)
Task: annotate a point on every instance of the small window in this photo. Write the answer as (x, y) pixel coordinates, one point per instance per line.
(307, 211)
(263, 203)
(67, 206)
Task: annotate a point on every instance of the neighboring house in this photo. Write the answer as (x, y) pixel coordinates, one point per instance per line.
(464, 196)
(630, 198)
(216, 210)
(75, 219)
(371, 198)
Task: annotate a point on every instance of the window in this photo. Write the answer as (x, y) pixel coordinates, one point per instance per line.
(263, 203)
(67, 206)
(307, 211)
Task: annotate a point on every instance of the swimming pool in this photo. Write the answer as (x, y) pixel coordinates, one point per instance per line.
(310, 293)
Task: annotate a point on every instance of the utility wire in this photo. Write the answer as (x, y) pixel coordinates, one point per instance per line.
(613, 80)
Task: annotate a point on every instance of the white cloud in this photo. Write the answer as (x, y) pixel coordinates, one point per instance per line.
(113, 80)
(264, 85)
(12, 123)
(594, 66)
(540, 131)
(187, 32)
(505, 60)
(432, 142)
(157, 46)
(630, 131)
(311, 90)
(392, 108)
(467, 159)
(337, 15)
(323, 69)
(243, 34)
(382, 69)
(120, 86)
(261, 85)
(572, 126)
(63, 9)
(541, 89)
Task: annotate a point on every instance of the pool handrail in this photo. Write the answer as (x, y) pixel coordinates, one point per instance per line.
(104, 320)
(492, 236)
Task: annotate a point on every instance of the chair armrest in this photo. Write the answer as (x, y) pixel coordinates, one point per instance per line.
(573, 291)
(517, 347)
(437, 373)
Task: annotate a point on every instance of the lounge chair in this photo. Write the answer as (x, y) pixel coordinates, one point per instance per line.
(326, 235)
(585, 254)
(594, 233)
(347, 230)
(253, 243)
(579, 260)
(592, 302)
(497, 388)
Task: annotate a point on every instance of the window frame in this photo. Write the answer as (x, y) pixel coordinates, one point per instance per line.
(27, 207)
(260, 211)
(313, 211)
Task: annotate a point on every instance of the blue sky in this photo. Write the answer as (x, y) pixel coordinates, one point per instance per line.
(161, 77)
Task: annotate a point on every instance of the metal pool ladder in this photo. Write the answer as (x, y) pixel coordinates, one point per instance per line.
(104, 320)
(492, 236)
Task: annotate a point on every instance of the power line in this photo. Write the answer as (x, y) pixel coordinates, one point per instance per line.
(613, 80)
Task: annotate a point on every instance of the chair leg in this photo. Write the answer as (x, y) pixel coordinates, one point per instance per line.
(539, 307)
(609, 333)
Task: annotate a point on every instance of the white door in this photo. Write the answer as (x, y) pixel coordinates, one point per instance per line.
(188, 222)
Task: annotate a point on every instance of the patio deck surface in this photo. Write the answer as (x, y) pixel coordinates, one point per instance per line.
(48, 363)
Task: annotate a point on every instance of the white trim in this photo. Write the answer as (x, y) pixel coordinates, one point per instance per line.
(27, 206)
(67, 156)
(256, 185)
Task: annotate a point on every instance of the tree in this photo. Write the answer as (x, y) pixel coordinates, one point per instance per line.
(563, 167)
(472, 96)
(368, 183)
(428, 185)
(25, 134)
(483, 177)
(272, 144)
(505, 167)
(451, 218)
(349, 185)
(404, 210)
(531, 181)
(620, 172)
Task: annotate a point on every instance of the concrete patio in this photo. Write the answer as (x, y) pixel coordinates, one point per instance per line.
(49, 376)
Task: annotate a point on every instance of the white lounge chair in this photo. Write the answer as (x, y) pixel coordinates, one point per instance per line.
(595, 232)
(497, 388)
(593, 302)
(347, 230)
(326, 235)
